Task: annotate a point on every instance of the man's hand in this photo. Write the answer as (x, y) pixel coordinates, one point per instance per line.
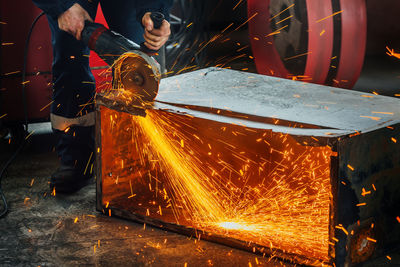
(155, 38)
(73, 20)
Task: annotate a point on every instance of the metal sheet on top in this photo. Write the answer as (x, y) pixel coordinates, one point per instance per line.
(271, 97)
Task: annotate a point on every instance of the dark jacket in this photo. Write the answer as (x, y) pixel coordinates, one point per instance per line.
(54, 8)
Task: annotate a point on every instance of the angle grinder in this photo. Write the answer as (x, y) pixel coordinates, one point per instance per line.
(135, 71)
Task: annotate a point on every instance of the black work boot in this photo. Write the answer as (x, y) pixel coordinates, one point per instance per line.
(76, 151)
(69, 179)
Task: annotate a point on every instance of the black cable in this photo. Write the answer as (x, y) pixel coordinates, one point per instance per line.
(28, 39)
(15, 154)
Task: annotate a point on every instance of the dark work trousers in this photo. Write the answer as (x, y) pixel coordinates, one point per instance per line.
(72, 113)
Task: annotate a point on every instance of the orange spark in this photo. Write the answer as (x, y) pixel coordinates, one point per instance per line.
(391, 53)
(240, 1)
(281, 12)
(334, 14)
(350, 167)
(255, 14)
(46, 106)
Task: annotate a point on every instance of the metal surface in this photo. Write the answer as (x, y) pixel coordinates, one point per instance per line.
(349, 126)
(337, 111)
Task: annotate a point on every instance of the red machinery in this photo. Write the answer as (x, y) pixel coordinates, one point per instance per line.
(318, 41)
(14, 32)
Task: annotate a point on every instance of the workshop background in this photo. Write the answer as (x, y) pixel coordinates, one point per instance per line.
(47, 230)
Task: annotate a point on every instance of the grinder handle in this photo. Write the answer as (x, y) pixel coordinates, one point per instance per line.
(157, 18)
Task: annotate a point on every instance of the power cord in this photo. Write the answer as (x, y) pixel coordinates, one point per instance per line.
(23, 141)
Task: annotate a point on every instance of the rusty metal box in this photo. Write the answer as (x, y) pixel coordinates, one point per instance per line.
(304, 172)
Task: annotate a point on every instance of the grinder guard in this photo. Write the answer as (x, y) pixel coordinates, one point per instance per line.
(136, 75)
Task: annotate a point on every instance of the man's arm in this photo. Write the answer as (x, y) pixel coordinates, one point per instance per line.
(70, 14)
(54, 8)
(154, 38)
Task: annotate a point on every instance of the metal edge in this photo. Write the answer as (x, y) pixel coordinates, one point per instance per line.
(334, 172)
(98, 151)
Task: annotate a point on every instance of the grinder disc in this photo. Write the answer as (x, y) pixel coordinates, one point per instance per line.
(137, 77)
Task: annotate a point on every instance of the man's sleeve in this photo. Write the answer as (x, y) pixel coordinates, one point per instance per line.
(55, 8)
(162, 6)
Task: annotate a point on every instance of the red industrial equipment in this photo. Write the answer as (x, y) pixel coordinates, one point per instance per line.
(14, 31)
(317, 41)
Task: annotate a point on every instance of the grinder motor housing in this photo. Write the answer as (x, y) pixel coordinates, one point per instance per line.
(141, 71)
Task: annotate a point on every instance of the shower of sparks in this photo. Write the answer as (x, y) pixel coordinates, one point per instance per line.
(183, 172)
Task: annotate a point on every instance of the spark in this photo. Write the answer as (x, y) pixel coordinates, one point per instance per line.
(46, 106)
(304, 54)
(240, 1)
(29, 135)
(87, 165)
(391, 53)
(252, 17)
(332, 15)
(277, 31)
(281, 12)
(284, 19)
(350, 167)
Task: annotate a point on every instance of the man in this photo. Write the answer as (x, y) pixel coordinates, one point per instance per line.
(72, 115)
